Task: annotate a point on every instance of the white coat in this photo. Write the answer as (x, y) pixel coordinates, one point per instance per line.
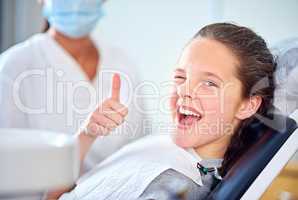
(43, 87)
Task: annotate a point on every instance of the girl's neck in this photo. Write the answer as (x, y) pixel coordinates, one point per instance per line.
(214, 150)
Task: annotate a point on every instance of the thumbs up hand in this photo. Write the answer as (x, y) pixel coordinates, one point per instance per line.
(109, 115)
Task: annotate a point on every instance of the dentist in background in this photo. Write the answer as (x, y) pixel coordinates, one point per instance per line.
(53, 80)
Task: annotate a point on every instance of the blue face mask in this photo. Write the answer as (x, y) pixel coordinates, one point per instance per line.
(73, 18)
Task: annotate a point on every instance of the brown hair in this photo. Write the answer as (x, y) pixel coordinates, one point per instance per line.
(256, 64)
(46, 26)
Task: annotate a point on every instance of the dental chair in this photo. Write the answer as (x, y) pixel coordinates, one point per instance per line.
(255, 170)
(35, 161)
(278, 138)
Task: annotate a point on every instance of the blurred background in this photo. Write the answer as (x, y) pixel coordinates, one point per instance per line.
(153, 33)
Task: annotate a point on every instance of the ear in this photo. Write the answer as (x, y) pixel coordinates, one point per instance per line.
(248, 107)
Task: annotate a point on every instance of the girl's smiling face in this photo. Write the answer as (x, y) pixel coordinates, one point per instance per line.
(208, 105)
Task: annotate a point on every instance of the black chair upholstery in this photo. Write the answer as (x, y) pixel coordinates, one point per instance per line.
(254, 160)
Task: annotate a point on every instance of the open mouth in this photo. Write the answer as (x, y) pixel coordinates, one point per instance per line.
(187, 116)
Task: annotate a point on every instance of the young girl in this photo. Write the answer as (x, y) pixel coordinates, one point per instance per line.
(217, 94)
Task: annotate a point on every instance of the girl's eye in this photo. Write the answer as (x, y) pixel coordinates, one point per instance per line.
(179, 79)
(179, 76)
(210, 83)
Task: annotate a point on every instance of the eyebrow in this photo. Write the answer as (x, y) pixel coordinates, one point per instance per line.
(180, 70)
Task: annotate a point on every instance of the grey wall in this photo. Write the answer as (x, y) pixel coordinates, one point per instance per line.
(19, 20)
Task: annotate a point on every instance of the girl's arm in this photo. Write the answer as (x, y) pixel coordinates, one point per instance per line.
(109, 115)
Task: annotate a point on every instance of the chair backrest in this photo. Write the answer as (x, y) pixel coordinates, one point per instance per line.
(272, 135)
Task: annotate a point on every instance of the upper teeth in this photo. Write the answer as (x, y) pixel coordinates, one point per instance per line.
(187, 112)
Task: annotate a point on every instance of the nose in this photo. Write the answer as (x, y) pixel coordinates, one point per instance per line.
(184, 90)
(187, 96)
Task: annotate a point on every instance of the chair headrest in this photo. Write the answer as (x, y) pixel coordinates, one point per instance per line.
(271, 135)
(286, 93)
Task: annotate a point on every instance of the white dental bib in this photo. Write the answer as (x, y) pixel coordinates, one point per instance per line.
(127, 173)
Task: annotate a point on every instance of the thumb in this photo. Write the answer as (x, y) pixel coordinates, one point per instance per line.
(116, 84)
